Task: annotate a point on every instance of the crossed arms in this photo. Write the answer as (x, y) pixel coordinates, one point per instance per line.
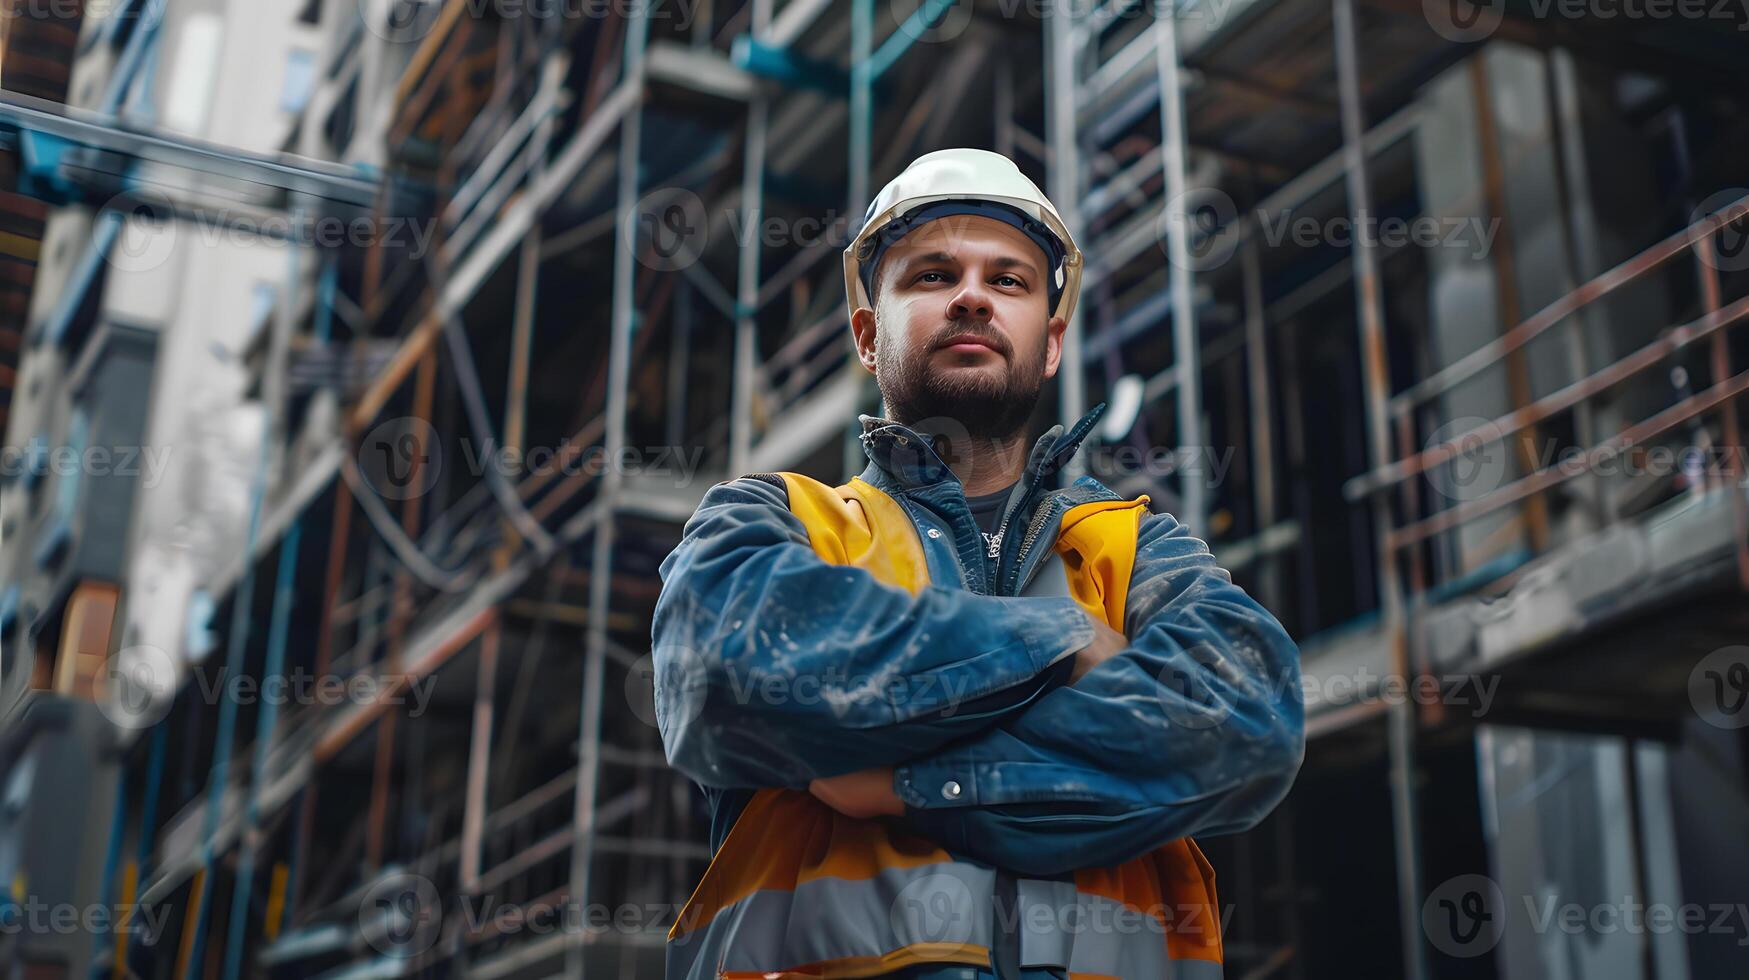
(775, 668)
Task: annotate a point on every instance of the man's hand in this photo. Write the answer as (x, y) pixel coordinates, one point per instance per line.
(1106, 644)
(864, 795)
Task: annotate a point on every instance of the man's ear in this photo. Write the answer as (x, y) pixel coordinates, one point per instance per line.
(1054, 344)
(862, 327)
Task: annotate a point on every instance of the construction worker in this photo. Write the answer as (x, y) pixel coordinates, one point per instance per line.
(953, 719)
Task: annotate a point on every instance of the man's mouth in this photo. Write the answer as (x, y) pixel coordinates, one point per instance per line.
(968, 344)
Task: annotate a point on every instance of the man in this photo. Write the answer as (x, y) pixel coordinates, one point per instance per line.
(952, 719)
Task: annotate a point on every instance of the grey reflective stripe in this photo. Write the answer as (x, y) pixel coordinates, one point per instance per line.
(1113, 939)
(1041, 942)
(1194, 970)
(837, 918)
(1063, 928)
(1051, 579)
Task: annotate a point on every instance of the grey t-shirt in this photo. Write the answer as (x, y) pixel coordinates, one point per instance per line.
(987, 509)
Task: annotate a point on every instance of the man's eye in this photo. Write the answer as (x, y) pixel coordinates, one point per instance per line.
(925, 276)
(1009, 281)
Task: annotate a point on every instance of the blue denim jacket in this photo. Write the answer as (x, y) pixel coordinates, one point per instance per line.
(773, 668)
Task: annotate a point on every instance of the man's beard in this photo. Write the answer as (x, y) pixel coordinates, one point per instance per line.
(979, 405)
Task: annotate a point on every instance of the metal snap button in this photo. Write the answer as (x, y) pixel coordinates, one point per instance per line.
(935, 532)
(951, 790)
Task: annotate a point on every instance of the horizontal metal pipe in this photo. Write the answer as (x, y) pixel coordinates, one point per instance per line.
(1493, 431)
(1482, 357)
(1542, 479)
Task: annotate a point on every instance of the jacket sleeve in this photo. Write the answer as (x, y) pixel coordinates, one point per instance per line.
(1197, 727)
(773, 667)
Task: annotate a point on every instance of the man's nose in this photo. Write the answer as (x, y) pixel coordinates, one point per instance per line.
(972, 301)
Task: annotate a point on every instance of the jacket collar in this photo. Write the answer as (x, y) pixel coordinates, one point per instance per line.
(910, 460)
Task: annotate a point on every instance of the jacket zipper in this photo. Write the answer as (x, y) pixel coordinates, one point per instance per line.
(1040, 517)
(993, 544)
(1043, 511)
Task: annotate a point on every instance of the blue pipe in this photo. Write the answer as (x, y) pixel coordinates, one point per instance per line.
(154, 776)
(148, 812)
(116, 826)
(924, 18)
(108, 227)
(241, 604)
(265, 719)
(140, 45)
(325, 300)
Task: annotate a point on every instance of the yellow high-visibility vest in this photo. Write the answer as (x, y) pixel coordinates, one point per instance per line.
(800, 890)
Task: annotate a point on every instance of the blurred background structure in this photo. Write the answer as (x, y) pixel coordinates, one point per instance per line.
(383, 347)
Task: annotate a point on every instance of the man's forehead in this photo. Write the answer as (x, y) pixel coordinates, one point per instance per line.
(949, 238)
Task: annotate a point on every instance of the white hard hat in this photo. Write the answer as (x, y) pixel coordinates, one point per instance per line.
(963, 180)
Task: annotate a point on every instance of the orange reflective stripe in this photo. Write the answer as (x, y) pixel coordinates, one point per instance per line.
(1197, 933)
(862, 849)
(784, 838)
(761, 851)
(1175, 884)
(850, 967)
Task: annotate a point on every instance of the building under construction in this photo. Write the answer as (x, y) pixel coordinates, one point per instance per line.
(360, 361)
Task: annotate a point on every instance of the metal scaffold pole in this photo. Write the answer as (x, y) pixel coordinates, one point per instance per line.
(241, 603)
(612, 480)
(747, 289)
(1369, 306)
(1186, 346)
(860, 124)
(284, 589)
(1064, 187)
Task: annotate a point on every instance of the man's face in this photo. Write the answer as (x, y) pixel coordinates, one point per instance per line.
(961, 327)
